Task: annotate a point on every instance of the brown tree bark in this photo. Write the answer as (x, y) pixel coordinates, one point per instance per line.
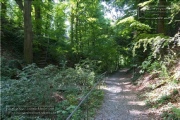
(161, 21)
(28, 35)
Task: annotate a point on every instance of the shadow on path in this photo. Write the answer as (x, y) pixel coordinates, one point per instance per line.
(120, 103)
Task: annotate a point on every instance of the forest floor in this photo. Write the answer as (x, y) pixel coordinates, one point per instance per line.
(121, 101)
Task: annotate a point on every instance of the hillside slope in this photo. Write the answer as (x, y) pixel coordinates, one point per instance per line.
(162, 94)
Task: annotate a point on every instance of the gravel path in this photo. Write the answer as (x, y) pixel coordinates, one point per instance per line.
(120, 102)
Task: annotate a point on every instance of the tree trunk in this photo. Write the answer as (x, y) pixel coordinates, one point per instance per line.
(76, 27)
(38, 17)
(80, 39)
(28, 38)
(161, 25)
(93, 35)
(72, 28)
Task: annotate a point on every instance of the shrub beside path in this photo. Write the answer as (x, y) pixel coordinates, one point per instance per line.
(120, 101)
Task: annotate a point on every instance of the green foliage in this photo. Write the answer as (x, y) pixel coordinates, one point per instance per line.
(164, 99)
(173, 115)
(36, 87)
(84, 77)
(12, 37)
(164, 72)
(78, 77)
(7, 71)
(161, 52)
(33, 82)
(175, 10)
(145, 3)
(155, 41)
(64, 109)
(125, 30)
(92, 103)
(155, 66)
(133, 25)
(176, 111)
(89, 64)
(107, 55)
(175, 92)
(76, 33)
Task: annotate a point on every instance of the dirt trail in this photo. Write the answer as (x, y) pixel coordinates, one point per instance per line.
(120, 102)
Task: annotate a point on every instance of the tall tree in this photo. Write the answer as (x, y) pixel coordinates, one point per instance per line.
(28, 34)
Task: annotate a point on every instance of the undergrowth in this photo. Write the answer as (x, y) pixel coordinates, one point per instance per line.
(163, 55)
(173, 114)
(49, 86)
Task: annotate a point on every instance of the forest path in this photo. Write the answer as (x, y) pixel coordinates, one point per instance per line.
(121, 102)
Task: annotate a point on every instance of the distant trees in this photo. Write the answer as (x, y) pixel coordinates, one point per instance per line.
(68, 30)
(90, 34)
(75, 30)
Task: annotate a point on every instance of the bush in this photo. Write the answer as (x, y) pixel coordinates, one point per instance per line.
(32, 89)
(162, 52)
(9, 70)
(43, 87)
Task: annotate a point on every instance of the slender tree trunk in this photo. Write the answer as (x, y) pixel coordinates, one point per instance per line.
(72, 28)
(28, 35)
(80, 39)
(72, 36)
(48, 17)
(76, 29)
(76, 37)
(93, 35)
(38, 16)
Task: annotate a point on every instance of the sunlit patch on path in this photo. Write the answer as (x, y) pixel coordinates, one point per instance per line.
(120, 102)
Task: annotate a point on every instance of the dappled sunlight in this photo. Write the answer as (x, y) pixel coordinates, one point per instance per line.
(120, 100)
(112, 82)
(73, 55)
(112, 78)
(127, 83)
(122, 78)
(139, 103)
(135, 112)
(124, 70)
(126, 90)
(112, 90)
